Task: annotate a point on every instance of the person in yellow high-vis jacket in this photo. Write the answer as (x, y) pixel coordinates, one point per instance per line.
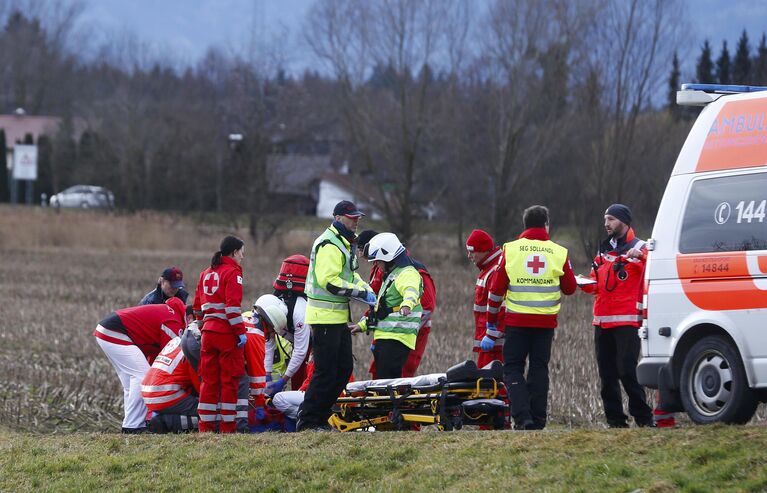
(331, 282)
(396, 317)
(532, 275)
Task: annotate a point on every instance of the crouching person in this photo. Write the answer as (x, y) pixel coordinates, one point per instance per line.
(289, 401)
(171, 387)
(268, 315)
(131, 338)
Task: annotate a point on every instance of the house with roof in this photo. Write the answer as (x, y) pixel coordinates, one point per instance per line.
(311, 184)
(293, 182)
(18, 125)
(335, 186)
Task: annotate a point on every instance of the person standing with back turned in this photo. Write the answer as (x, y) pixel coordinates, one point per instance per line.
(331, 282)
(532, 275)
(217, 302)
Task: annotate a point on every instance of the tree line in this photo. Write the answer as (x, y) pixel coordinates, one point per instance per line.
(475, 113)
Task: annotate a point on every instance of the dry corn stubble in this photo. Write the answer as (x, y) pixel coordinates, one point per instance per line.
(55, 377)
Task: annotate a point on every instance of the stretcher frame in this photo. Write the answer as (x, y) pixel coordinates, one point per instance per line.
(400, 406)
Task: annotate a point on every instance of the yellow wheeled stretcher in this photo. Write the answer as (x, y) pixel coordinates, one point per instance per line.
(464, 395)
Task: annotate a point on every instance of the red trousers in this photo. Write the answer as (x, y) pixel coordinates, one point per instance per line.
(413, 359)
(222, 364)
(485, 357)
(297, 380)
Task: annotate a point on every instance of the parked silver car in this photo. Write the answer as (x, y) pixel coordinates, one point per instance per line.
(85, 197)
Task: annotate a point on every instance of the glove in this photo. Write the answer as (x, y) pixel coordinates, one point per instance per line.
(268, 377)
(260, 413)
(487, 343)
(276, 386)
(370, 298)
(490, 326)
(242, 339)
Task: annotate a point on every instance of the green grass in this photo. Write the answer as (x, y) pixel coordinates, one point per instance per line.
(715, 458)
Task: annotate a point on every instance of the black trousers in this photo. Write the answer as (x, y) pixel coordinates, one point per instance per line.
(617, 352)
(528, 397)
(390, 357)
(333, 365)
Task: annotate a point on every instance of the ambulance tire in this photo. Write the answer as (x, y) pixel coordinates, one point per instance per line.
(713, 384)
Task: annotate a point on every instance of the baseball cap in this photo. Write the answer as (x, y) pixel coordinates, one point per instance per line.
(347, 208)
(175, 276)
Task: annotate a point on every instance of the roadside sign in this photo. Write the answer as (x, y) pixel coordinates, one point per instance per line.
(25, 162)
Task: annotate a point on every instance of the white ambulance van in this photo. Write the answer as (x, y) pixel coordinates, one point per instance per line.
(704, 335)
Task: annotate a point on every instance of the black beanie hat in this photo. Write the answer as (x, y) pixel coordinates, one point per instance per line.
(620, 212)
(365, 237)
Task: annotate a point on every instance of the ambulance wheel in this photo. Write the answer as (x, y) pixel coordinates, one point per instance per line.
(713, 385)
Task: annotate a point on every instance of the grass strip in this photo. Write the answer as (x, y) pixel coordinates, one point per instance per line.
(715, 458)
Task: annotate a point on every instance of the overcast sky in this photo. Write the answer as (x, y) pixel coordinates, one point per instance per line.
(186, 28)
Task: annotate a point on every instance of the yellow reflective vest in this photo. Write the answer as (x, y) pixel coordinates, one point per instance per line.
(402, 287)
(331, 263)
(534, 268)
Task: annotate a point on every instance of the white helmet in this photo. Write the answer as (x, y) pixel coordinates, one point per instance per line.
(385, 247)
(273, 310)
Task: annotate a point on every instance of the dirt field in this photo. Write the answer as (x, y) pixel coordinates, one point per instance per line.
(62, 273)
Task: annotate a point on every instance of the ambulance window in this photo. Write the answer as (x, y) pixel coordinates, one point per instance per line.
(726, 215)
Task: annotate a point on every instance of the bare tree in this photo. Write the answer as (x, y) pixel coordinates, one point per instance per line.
(633, 46)
(388, 122)
(35, 54)
(529, 45)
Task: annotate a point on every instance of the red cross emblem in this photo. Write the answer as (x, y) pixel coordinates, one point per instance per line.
(535, 265)
(210, 283)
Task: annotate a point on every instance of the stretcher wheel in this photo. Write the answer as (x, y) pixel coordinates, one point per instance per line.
(397, 420)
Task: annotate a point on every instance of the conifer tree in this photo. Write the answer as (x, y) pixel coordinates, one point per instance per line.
(723, 69)
(759, 67)
(741, 67)
(673, 87)
(704, 72)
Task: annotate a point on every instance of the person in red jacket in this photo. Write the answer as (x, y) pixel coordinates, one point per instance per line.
(533, 272)
(618, 270)
(483, 253)
(217, 303)
(269, 316)
(289, 288)
(131, 338)
(253, 384)
(428, 303)
(171, 386)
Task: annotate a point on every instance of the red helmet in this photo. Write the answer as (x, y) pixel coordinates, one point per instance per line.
(292, 275)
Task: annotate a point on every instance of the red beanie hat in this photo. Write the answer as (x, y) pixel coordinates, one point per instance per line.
(479, 241)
